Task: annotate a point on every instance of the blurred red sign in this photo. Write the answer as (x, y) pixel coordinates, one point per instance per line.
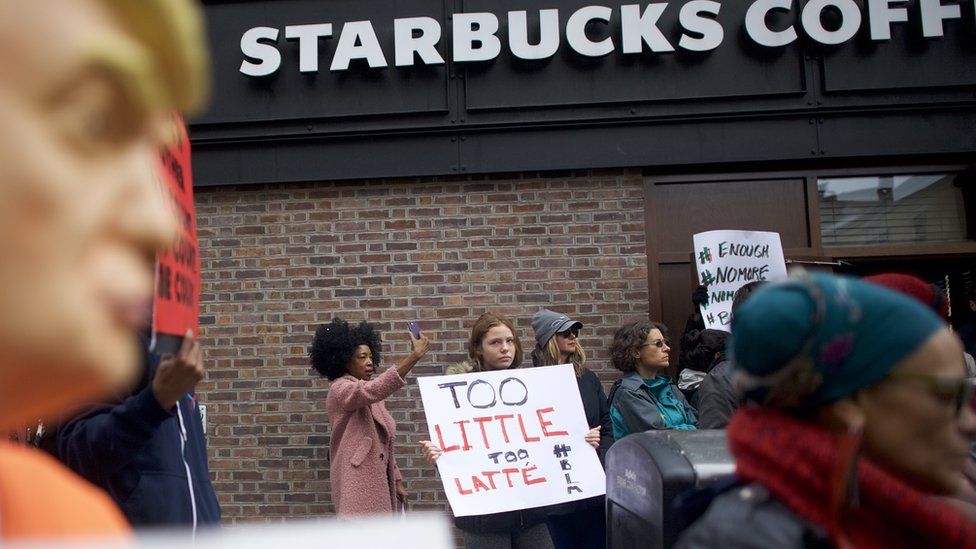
(176, 306)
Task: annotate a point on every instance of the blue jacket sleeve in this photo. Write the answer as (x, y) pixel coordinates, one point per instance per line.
(104, 439)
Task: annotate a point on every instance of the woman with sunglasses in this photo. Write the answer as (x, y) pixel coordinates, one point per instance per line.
(859, 420)
(645, 398)
(580, 523)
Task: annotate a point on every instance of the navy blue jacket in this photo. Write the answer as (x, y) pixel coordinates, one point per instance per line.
(138, 453)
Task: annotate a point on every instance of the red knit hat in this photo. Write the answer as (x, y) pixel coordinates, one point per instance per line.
(929, 294)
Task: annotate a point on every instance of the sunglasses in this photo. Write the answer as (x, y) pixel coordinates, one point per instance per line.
(958, 391)
(572, 332)
(659, 343)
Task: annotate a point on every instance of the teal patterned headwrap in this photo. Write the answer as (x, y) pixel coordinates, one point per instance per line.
(815, 338)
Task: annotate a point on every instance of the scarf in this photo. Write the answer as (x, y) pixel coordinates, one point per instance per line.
(797, 462)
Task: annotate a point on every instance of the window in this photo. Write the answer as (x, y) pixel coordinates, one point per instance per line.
(891, 209)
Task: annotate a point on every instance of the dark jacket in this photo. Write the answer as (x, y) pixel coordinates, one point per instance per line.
(749, 517)
(596, 408)
(597, 413)
(135, 451)
(638, 409)
(508, 521)
(717, 399)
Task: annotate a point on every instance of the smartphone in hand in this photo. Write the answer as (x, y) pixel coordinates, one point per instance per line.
(414, 330)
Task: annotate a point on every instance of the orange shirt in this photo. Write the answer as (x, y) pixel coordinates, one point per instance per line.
(40, 498)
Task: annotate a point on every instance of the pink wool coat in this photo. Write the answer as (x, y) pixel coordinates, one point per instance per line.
(362, 466)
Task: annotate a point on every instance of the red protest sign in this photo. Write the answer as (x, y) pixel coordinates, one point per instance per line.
(176, 305)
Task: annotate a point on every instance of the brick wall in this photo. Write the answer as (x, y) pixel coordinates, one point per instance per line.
(278, 260)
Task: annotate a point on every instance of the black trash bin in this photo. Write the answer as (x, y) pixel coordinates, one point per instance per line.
(646, 471)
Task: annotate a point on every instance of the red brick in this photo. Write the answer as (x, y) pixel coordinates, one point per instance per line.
(391, 251)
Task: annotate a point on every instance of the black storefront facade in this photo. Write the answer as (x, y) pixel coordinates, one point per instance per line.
(845, 125)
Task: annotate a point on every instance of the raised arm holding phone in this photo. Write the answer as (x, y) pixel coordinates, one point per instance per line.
(363, 470)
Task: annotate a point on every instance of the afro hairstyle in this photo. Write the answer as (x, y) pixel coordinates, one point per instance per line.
(335, 343)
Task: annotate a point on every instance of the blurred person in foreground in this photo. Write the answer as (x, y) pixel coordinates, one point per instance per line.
(927, 294)
(147, 449)
(933, 297)
(86, 91)
(860, 419)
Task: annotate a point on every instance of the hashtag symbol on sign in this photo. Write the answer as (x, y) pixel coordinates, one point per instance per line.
(705, 256)
(561, 450)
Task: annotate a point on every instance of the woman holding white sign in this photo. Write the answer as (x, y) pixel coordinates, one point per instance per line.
(644, 398)
(580, 523)
(362, 467)
(493, 345)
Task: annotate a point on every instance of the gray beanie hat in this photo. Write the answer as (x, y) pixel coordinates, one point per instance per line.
(546, 324)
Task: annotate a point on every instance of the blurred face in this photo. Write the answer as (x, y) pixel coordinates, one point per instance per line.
(80, 213)
(653, 354)
(912, 427)
(566, 342)
(361, 364)
(497, 350)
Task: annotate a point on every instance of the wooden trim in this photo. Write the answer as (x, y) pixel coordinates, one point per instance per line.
(814, 174)
(892, 250)
(675, 258)
(653, 253)
(813, 212)
(670, 258)
(693, 269)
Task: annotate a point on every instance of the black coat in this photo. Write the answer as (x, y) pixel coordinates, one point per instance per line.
(597, 409)
(133, 450)
(749, 517)
(597, 414)
(717, 400)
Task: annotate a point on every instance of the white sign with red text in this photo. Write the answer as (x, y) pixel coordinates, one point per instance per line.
(512, 439)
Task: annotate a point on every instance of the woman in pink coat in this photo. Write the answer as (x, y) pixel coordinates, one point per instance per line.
(365, 477)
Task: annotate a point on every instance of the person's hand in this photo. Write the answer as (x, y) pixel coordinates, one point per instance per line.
(593, 437)
(401, 493)
(178, 374)
(420, 346)
(431, 451)
(700, 297)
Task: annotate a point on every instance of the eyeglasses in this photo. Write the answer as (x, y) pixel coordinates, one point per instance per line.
(659, 343)
(957, 390)
(571, 332)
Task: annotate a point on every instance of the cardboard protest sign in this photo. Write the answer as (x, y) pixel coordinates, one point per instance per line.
(727, 260)
(512, 439)
(176, 305)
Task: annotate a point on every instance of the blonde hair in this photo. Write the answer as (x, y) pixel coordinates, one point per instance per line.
(484, 323)
(550, 355)
(171, 31)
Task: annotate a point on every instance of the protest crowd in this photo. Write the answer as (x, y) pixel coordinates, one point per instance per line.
(847, 404)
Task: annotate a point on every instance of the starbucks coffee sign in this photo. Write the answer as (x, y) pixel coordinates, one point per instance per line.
(474, 37)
